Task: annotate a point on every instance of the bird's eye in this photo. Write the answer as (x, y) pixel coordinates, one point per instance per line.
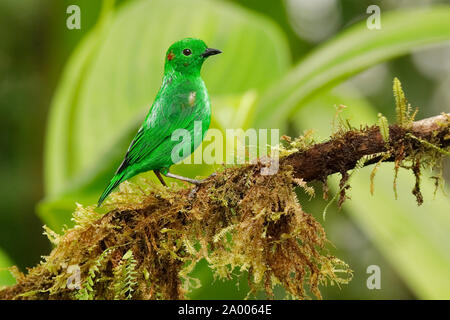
(187, 52)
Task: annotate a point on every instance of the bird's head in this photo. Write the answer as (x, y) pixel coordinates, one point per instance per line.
(187, 55)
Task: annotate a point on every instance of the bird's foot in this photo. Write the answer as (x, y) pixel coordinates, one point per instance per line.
(193, 192)
(196, 182)
(199, 182)
(212, 175)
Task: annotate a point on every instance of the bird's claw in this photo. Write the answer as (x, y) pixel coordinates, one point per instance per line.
(212, 175)
(200, 182)
(197, 184)
(193, 191)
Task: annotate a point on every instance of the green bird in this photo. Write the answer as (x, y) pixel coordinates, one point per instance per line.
(181, 103)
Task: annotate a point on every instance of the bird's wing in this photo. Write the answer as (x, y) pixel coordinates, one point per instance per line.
(173, 109)
(165, 117)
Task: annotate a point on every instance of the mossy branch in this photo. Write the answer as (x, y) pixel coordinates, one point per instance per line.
(342, 152)
(152, 237)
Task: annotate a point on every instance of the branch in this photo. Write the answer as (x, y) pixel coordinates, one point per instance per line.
(151, 238)
(343, 152)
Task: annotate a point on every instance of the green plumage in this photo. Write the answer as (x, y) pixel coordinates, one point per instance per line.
(181, 101)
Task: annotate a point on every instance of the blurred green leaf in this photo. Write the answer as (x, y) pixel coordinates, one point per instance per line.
(6, 278)
(112, 79)
(235, 288)
(414, 239)
(58, 154)
(350, 52)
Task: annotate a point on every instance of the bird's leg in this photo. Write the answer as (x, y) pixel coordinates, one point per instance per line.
(175, 176)
(158, 174)
(197, 183)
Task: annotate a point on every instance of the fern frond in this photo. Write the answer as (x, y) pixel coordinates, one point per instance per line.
(384, 127)
(125, 276)
(400, 103)
(402, 107)
(87, 288)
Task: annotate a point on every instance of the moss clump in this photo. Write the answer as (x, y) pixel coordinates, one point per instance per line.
(147, 245)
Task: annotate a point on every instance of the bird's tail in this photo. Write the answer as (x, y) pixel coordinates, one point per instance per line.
(115, 181)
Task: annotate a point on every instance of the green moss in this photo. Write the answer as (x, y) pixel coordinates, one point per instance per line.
(147, 245)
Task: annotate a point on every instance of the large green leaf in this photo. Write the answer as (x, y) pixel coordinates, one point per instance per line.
(350, 52)
(415, 240)
(58, 154)
(113, 77)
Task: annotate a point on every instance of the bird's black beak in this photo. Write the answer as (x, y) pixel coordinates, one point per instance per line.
(210, 52)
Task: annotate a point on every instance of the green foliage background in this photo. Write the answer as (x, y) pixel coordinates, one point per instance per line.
(89, 89)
